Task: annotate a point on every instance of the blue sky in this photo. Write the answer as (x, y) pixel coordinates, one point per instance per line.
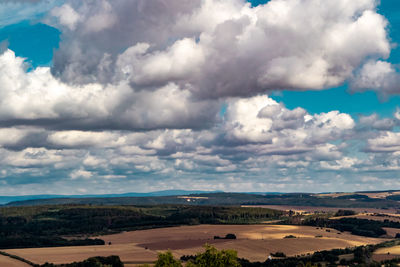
(33, 41)
(211, 95)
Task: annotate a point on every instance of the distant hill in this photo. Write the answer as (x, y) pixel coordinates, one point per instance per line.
(154, 198)
(224, 199)
(8, 199)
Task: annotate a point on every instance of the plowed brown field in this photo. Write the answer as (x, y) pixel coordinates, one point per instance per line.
(254, 242)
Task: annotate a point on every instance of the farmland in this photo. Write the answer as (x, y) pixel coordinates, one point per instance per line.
(391, 250)
(66, 233)
(321, 209)
(386, 253)
(254, 242)
(9, 262)
(50, 226)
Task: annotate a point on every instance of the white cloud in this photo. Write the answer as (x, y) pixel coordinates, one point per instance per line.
(262, 120)
(373, 121)
(223, 48)
(176, 63)
(66, 15)
(81, 174)
(380, 76)
(385, 142)
(37, 97)
(31, 157)
(243, 122)
(82, 139)
(341, 164)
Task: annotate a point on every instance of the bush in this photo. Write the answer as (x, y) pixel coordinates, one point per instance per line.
(345, 213)
(228, 236)
(278, 254)
(215, 258)
(110, 261)
(290, 236)
(167, 260)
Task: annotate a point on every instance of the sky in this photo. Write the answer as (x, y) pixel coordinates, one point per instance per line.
(145, 95)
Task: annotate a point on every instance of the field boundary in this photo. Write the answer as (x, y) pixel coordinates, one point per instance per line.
(15, 257)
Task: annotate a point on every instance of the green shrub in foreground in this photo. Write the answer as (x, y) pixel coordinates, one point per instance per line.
(211, 257)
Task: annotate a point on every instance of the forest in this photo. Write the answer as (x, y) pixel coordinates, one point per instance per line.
(45, 226)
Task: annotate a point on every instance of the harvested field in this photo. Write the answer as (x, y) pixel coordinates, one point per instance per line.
(9, 262)
(379, 195)
(392, 250)
(383, 257)
(258, 250)
(58, 255)
(391, 232)
(386, 253)
(254, 242)
(191, 234)
(312, 209)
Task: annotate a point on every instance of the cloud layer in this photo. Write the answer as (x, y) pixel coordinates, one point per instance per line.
(149, 95)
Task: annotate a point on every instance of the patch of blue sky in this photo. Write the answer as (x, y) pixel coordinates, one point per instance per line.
(390, 9)
(341, 99)
(22, 32)
(257, 2)
(35, 42)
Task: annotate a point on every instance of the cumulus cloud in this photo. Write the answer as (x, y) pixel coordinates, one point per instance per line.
(373, 121)
(66, 16)
(38, 98)
(220, 48)
(385, 142)
(31, 157)
(380, 76)
(81, 174)
(341, 164)
(144, 69)
(262, 120)
(235, 145)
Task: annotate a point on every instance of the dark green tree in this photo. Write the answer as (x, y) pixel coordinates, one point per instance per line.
(167, 260)
(213, 257)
